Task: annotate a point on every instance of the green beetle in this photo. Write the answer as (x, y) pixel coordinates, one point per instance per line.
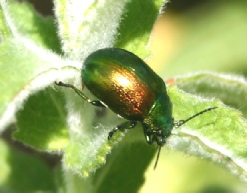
(129, 87)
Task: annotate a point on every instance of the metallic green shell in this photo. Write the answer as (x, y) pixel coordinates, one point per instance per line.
(122, 81)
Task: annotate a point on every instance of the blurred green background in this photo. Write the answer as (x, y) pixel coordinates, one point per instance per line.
(201, 35)
(191, 36)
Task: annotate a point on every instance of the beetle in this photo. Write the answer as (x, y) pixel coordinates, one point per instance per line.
(124, 83)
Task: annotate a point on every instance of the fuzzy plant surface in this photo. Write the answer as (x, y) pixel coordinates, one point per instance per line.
(36, 51)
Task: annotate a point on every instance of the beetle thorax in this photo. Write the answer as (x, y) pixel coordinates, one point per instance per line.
(159, 122)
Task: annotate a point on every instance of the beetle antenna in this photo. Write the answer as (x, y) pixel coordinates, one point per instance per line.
(157, 158)
(181, 122)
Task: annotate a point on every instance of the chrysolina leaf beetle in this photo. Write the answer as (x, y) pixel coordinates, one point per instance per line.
(129, 87)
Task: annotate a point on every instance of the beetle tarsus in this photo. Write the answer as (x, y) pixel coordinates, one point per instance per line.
(59, 83)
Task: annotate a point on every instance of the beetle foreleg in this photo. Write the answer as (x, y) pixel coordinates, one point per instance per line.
(122, 127)
(81, 94)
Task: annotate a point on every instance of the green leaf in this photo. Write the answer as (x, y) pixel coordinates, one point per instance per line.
(230, 89)
(218, 135)
(76, 25)
(5, 29)
(140, 22)
(47, 130)
(19, 172)
(84, 27)
(31, 25)
(131, 154)
(134, 157)
(40, 29)
(26, 69)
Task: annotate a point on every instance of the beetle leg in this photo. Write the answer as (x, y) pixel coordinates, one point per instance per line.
(122, 127)
(80, 93)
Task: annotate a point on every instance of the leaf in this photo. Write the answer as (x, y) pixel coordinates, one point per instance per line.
(134, 157)
(26, 69)
(218, 135)
(41, 30)
(85, 26)
(32, 25)
(231, 89)
(15, 163)
(47, 130)
(5, 29)
(140, 22)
